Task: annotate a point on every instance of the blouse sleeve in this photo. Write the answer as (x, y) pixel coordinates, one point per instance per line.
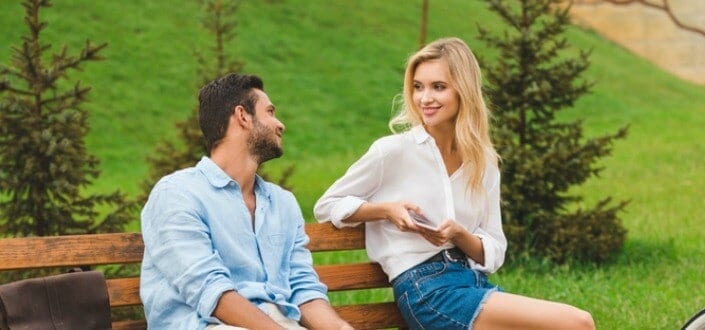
(490, 231)
(355, 187)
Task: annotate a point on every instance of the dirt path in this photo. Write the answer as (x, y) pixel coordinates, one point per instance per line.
(648, 32)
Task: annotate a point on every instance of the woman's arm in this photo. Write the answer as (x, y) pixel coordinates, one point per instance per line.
(345, 197)
(395, 212)
(494, 242)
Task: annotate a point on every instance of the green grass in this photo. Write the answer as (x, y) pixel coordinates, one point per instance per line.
(332, 68)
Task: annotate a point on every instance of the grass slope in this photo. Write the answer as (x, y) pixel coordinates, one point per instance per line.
(332, 68)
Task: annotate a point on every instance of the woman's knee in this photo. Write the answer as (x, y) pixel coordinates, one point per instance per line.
(582, 319)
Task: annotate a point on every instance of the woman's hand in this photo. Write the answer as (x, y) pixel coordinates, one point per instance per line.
(398, 214)
(443, 234)
(456, 234)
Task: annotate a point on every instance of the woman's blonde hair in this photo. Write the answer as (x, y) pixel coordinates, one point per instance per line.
(472, 128)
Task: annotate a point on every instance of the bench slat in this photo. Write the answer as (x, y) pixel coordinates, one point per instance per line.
(70, 250)
(130, 325)
(352, 276)
(372, 316)
(124, 291)
(325, 237)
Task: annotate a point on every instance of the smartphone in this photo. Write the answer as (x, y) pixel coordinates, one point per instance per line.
(422, 221)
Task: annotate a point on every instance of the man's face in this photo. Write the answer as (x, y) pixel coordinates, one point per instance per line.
(265, 140)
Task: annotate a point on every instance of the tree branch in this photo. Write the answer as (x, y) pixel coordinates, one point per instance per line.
(15, 90)
(665, 7)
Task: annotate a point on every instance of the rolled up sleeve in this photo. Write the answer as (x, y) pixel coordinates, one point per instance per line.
(490, 231)
(348, 193)
(179, 246)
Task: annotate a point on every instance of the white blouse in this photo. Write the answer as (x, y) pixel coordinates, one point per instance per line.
(409, 167)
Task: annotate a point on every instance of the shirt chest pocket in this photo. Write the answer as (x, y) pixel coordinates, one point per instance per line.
(276, 239)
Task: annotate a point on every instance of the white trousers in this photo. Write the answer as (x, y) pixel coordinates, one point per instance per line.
(273, 312)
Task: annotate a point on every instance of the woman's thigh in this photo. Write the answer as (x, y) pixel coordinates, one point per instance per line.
(506, 310)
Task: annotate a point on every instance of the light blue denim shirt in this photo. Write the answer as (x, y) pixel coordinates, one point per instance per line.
(200, 242)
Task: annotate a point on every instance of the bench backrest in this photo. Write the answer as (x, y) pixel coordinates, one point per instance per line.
(127, 248)
(78, 251)
(354, 276)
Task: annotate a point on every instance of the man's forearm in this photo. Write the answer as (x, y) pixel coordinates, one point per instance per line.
(319, 314)
(234, 309)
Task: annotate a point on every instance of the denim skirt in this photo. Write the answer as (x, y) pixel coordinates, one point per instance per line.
(441, 295)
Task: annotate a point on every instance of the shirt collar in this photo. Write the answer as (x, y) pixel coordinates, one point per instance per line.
(261, 185)
(420, 135)
(219, 179)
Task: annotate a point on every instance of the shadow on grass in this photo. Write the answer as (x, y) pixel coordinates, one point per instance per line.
(647, 252)
(636, 252)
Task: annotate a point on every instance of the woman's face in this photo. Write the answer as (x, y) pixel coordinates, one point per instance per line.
(435, 98)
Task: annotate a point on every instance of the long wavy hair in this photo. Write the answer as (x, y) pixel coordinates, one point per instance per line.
(472, 128)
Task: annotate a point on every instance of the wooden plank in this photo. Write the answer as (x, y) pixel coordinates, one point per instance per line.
(372, 316)
(70, 250)
(124, 291)
(130, 325)
(117, 248)
(326, 237)
(352, 276)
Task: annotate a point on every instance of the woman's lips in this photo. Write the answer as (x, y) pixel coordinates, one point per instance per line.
(430, 111)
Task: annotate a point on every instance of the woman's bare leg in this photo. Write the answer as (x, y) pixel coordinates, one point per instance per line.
(506, 311)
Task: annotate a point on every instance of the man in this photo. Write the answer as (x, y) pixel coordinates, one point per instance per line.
(223, 247)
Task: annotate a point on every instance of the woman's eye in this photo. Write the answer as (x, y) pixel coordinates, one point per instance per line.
(439, 87)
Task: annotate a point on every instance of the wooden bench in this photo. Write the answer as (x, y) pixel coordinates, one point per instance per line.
(127, 248)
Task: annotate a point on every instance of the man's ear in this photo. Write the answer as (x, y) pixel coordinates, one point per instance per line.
(242, 117)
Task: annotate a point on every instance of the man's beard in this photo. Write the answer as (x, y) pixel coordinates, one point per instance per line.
(262, 143)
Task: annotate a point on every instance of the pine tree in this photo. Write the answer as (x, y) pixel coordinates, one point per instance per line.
(44, 164)
(542, 158)
(220, 22)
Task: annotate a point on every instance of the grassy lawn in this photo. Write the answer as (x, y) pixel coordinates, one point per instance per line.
(332, 68)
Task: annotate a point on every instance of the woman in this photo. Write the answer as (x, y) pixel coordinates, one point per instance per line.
(441, 170)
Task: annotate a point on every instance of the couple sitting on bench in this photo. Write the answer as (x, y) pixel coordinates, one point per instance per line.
(224, 249)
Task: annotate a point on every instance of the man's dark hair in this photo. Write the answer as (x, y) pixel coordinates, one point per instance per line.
(217, 101)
